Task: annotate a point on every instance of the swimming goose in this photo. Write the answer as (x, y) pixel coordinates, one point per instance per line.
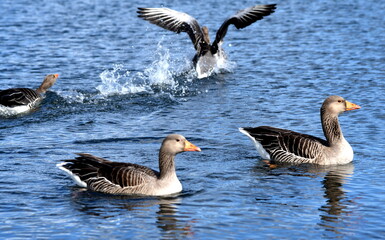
(207, 54)
(285, 146)
(101, 175)
(25, 98)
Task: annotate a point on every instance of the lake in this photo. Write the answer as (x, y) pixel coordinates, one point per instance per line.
(125, 84)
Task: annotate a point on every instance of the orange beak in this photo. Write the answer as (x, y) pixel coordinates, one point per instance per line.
(351, 106)
(56, 75)
(190, 147)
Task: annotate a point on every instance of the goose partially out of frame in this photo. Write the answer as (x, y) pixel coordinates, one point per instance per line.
(120, 178)
(208, 54)
(25, 99)
(285, 146)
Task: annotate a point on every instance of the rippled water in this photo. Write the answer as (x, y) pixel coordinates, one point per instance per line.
(125, 84)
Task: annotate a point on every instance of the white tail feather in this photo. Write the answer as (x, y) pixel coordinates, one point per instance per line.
(73, 176)
(262, 152)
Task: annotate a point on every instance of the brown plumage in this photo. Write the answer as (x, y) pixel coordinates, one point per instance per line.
(281, 145)
(101, 175)
(15, 97)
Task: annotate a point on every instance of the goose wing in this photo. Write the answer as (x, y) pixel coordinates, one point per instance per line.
(17, 97)
(242, 19)
(285, 145)
(101, 175)
(174, 21)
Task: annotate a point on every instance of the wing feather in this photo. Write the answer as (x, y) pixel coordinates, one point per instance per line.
(242, 19)
(18, 96)
(174, 21)
(105, 176)
(287, 146)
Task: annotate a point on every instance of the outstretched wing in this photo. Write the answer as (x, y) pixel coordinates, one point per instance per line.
(285, 145)
(17, 97)
(174, 21)
(243, 19)
(101, 175)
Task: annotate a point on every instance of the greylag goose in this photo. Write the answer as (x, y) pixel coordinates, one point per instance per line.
(101, 175)
(25, 98)
(285, 146)
(207, 54)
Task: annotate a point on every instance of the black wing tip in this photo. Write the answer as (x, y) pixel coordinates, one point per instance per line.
(66, 164)
(267, 9)
(254, 130)
(247, 128)
(85, 157)
(81, 156)
(270, 6)
(141, 11)
(66, 161)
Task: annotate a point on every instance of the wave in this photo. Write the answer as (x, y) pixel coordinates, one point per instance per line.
(162, 74)
(166, 73)
(167, 77)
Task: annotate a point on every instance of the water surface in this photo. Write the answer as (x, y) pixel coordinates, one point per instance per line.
(125, 84)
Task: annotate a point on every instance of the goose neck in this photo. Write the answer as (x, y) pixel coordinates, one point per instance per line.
(331, 127)
(41, 90)
(166, 164)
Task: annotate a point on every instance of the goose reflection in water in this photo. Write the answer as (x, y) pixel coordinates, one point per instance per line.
(169, 220)
(337, 204)
(336, 212)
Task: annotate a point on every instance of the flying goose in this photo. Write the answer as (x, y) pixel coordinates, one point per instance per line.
(285, 146)
(26, 98)
(207, 54)
(101, 175)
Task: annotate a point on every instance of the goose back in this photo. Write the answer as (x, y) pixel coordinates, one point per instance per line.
(18, 96)
(101, 175)
(287, 146)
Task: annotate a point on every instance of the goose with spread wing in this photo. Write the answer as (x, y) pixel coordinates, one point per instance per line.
(207, 54)
(285, 146)
(120, 178)
(24, 99)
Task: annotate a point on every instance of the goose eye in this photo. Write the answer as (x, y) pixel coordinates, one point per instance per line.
(178, 140)
(340, 101)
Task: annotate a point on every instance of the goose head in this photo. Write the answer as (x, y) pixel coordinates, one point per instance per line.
(335, 105)
(175, 143)
(48, 82)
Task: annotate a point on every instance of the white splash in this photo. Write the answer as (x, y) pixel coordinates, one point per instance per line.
(160, 75)
(72, 96)
(220, 64)
(119, 81)
(160, 72)
(223, 64)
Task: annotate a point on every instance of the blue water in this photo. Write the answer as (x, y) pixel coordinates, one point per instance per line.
(125, 84)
